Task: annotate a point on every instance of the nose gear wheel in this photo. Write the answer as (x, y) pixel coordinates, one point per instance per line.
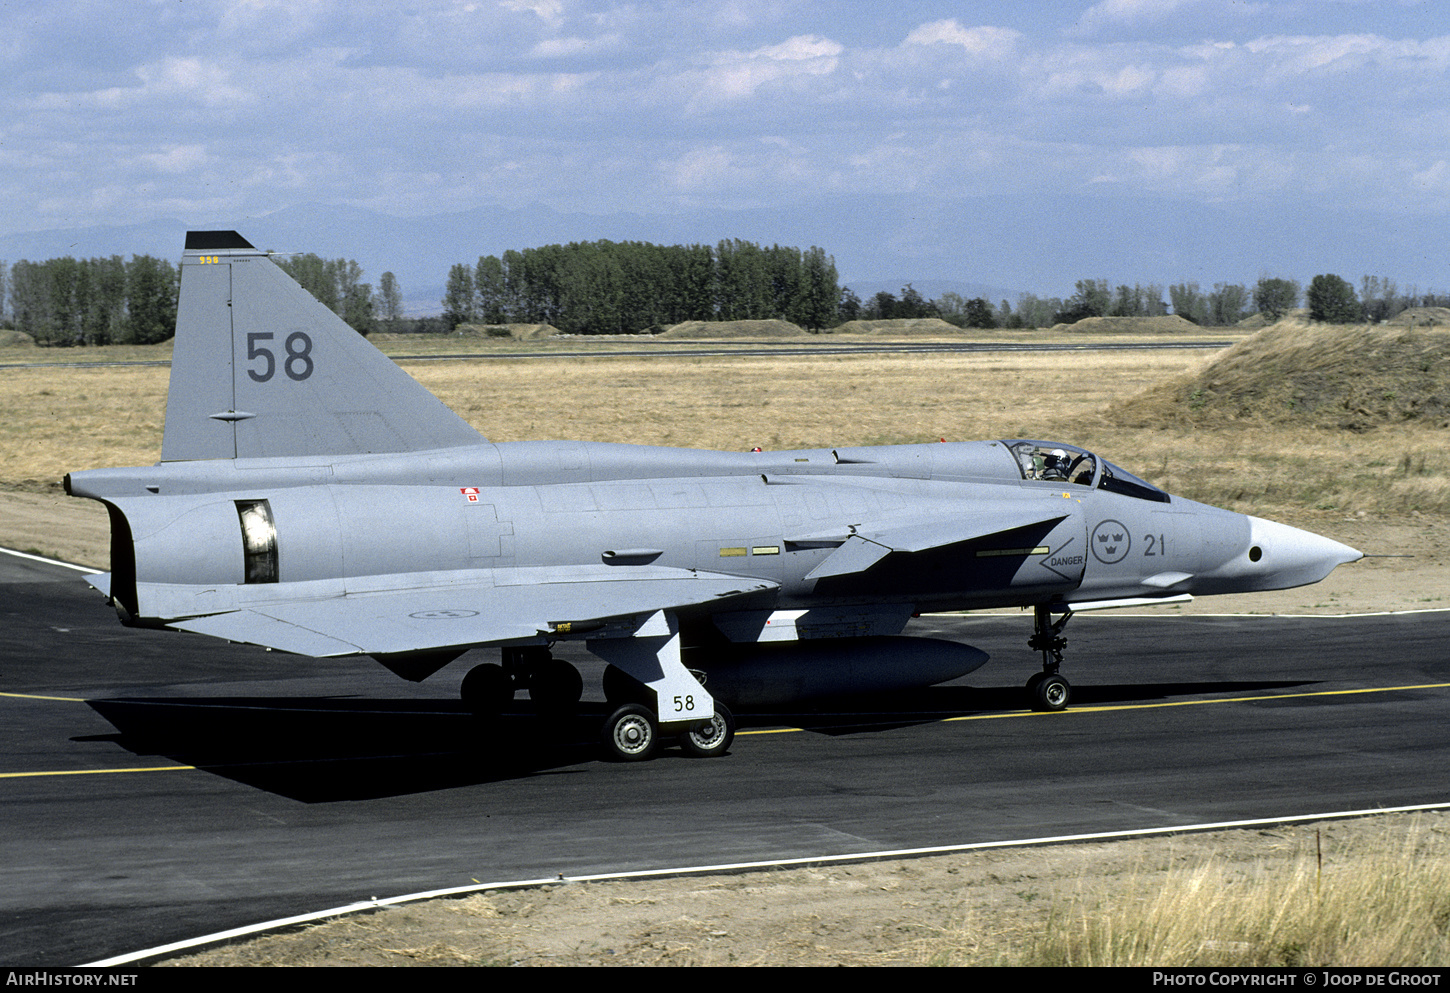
(1047, 690)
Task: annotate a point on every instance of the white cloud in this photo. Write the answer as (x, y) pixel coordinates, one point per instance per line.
(561, 48)
(271, 24)
(551, 12)
(736, 76)
(661, 102)
(1435, 179)
(1120, 13)
(177, 159)
(803, 48)
(700, 168)
(1348, 53)
(990, 41)
(192, 78)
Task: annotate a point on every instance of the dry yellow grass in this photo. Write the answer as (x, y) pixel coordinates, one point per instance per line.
(54, 420)
(1383, 903)
(12, 351)
(1317, 375)
(789, 402)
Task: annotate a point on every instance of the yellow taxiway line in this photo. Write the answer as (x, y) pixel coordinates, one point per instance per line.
(94, 772)
(37, 696)
(793, 730)
(1151, 706)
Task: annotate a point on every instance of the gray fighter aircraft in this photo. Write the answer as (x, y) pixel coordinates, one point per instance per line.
(313, 498)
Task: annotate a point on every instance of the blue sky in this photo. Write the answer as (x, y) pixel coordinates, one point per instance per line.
(1300, 114)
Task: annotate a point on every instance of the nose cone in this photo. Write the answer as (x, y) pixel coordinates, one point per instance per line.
(1278, 556)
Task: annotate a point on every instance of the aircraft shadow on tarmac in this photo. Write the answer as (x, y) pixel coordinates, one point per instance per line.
(325, 749)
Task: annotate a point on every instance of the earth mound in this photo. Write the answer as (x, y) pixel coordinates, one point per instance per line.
(1167, 324)
(15, 339)
(733, 329)
(518, 331)
(1354, 377)
(1422, 317)
(1258, 321)
(899, 325)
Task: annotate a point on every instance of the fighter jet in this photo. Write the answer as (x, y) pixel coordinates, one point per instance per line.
(313, 498)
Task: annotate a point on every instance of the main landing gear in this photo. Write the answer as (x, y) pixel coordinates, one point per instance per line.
(631, 733)
(554, 685)
(1048, 690)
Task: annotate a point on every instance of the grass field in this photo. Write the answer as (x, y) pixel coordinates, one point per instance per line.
(56, 419)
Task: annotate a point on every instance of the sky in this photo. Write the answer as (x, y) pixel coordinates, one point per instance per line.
(1026, 121)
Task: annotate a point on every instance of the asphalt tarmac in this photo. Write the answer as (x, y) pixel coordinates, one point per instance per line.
(156, 786)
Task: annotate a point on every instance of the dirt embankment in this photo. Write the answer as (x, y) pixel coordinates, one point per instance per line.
(898, 326)
(734, 329)
(1423, 317)
(1314, 375)
(521, 332)
(1167, 324)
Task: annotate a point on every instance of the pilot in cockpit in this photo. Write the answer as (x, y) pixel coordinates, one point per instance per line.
(1055, 466)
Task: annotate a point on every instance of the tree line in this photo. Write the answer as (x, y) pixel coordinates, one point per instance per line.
(1329, 298)
(111, 301)
(100, 301)
(605, 287)
(611, 288)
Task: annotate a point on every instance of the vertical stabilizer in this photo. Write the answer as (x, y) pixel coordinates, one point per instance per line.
(261, 369)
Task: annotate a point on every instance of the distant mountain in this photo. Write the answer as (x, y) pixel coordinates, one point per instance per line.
(420, 250)
(162, 238)
(978, 246)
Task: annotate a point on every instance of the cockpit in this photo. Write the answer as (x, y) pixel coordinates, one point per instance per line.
(1053, 462)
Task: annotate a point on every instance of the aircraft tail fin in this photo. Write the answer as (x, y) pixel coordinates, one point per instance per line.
(260, 369)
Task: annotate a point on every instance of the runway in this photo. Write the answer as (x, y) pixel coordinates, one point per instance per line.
(683, 348)
(156, 786)
(758, 349)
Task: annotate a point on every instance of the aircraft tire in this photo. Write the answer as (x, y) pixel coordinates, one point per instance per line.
(487, 690)
(714, 738)
(555, 686)
(630, 734)
(1051, 693)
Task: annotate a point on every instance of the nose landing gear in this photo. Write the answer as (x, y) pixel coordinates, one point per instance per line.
(1048, 690)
